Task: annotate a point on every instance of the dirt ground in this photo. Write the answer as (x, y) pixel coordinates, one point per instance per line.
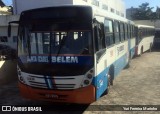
(137, 85)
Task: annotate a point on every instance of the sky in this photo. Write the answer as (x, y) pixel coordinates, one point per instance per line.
(136, 3)
(129, 3)
(7, 2)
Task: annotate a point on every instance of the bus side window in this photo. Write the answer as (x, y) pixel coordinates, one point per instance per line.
(116, 32)
(102, 34)
(126, 33)
(140, 33)
(129, 32)
(134, 32)
(100, 47)
(122, 31)
(97, 39)
(108, 28)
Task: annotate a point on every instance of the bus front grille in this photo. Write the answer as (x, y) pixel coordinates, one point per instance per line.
(52, 82)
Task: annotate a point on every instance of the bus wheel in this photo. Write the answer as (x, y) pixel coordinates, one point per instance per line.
(109, 83)
(109, 77)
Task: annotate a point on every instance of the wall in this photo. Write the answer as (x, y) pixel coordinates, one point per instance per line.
(4, 28)
(5, 10)
(19, 6)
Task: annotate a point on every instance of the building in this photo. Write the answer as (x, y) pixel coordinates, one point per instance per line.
(158, 12)
(4, 39)
(5, 17)
(2, 4)
(156, 22)
(5, 10)
(129, 12)
(115, 6)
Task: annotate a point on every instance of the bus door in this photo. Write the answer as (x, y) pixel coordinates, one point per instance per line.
(100, 60)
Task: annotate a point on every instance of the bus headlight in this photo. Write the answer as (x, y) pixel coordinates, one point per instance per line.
(20, 75)
(87, 80)
(21, 79)
(91, 71)
(89, 76)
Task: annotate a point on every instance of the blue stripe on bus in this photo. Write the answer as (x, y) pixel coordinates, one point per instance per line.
(101, 81)
(120, 64)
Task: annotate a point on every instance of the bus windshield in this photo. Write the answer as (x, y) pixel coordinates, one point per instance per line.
(66, 42)
(44, 47)
(54, 40)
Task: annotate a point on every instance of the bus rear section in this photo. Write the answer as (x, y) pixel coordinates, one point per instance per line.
(157, 38)
(55, 54)
(144, 39)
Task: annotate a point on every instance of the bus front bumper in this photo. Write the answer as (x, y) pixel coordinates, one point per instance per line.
(84, 95)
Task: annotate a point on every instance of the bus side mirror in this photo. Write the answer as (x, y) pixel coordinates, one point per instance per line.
(9, 30)
(9, 27)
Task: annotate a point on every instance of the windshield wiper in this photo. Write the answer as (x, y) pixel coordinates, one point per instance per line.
(61, 45)
(28, 43)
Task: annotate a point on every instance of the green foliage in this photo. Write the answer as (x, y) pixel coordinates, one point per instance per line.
(144, 12)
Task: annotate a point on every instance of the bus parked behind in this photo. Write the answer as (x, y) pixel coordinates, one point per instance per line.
(144, 39)
(157, 38)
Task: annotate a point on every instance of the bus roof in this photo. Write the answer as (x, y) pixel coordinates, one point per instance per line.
(145, 26)
(64, 6)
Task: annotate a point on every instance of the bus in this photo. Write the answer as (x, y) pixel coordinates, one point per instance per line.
(70, 54)
(144, 39)
(131, 38)
(157, 38)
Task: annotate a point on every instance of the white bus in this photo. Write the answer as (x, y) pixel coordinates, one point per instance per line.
(71, 54)
(144, 39)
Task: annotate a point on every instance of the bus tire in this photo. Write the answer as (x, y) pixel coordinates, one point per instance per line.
(111, 71)
(109, 83)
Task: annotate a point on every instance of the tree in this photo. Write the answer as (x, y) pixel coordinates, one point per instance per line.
(144, 12)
